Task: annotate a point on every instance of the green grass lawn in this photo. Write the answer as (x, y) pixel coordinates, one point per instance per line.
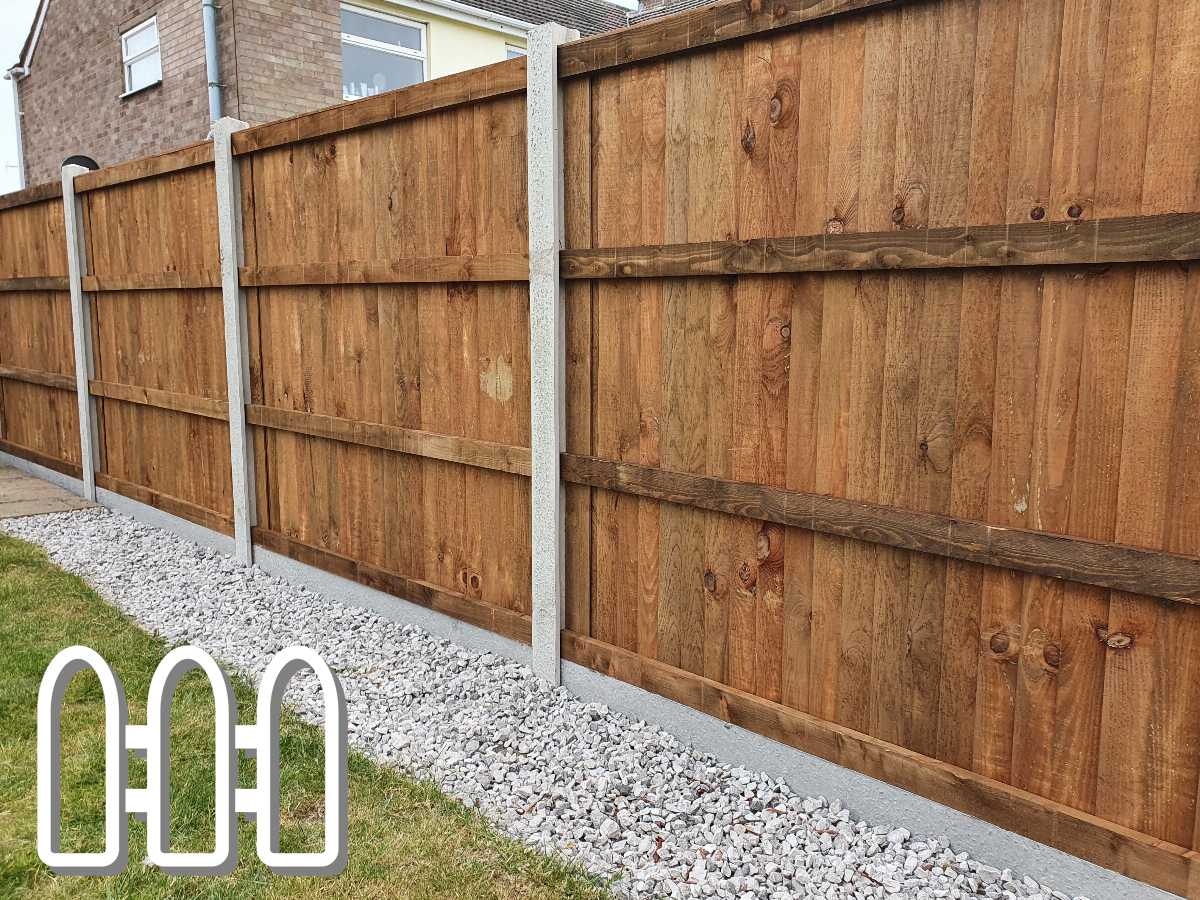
(405, 838)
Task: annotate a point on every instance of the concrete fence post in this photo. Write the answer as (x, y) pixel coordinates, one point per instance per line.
(547, 336)
(237, 356)
(81, 327)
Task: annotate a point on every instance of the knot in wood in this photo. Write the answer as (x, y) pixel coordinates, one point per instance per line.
(898, 215)
(1037, 213)
(748, 138)
(710, 581)
(835, 226)
(747, 575)
(1119, 641)
(1075, 211)
(775, 110)
(1052, 655)
(999, 643)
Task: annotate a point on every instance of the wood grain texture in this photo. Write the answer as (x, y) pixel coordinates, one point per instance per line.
(152, 281)
(1167, 237)
(38, 193)
(1131, 569)
(1160, 863)
(185, 403)
(497, 80)
(501, 621)
(46, 379)
(449, 448)
(173, 505)
(189, 157)
(23, 285)
(411, 270)
(699, 28)
(50, 462)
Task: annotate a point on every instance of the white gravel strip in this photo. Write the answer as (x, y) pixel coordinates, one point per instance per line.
(623, 798)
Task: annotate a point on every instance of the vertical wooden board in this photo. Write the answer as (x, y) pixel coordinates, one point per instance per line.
(1052, 472)
(577, 147)
(650, 137)
(1160, 798)
(896, 478)
(1008, 504)
(869, 304)
(1033, 111)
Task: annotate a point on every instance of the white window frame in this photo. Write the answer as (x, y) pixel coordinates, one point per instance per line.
(127, 61)
(512, 51)
(354, 40)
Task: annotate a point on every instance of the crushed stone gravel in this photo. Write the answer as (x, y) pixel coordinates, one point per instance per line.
(625, 799)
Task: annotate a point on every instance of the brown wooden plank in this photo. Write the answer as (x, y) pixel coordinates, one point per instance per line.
(701, 27)
(406, 270)
(497, 80)
(449, 448)
(1160, 863)
(143, 396)
(45, 379)
(173, 505)
(1168, 575)
(179, 160)
(1165, 237)
(38, 193)
(37, 283)
(484, 615)
(152, 281)
(42, 459)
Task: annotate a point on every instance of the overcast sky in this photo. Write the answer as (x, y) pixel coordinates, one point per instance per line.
(15, 17)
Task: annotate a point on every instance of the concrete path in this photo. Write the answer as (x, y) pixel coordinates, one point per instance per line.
(24, 495)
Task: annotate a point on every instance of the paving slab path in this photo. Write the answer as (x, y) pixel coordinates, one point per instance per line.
(25, 495)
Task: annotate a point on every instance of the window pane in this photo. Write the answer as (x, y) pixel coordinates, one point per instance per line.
(514, 52)
(141, 41)
(146, 70)
(384, 30)
(366, 72)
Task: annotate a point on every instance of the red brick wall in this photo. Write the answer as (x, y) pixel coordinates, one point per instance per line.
(278, 58)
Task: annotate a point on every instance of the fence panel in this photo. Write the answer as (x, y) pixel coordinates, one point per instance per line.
(1057, 400)
(159, 339)
(39, 417)
(391, 384)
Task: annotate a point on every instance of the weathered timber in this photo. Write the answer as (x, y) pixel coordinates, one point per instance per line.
(50, 190)
(1123, 568)
(449, 448)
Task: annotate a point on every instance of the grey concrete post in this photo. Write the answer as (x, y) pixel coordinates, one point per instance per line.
(547, 337)
(237, 356)
(81, 326)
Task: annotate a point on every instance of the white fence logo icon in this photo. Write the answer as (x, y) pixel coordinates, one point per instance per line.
(153, 801)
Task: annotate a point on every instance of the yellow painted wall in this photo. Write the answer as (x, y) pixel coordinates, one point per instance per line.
(453, 46)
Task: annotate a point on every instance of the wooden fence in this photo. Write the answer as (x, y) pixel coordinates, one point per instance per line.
(882, 379)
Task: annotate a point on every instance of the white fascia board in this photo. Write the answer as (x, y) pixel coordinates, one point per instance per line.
(21, 69)
(462, 12)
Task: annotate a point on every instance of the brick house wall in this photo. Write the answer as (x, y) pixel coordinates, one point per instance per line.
(278, 58)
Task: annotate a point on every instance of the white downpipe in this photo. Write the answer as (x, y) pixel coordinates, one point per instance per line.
(212, 59)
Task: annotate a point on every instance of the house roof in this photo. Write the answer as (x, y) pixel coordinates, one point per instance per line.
(666, 9)
(31, 39)
(586, 16)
